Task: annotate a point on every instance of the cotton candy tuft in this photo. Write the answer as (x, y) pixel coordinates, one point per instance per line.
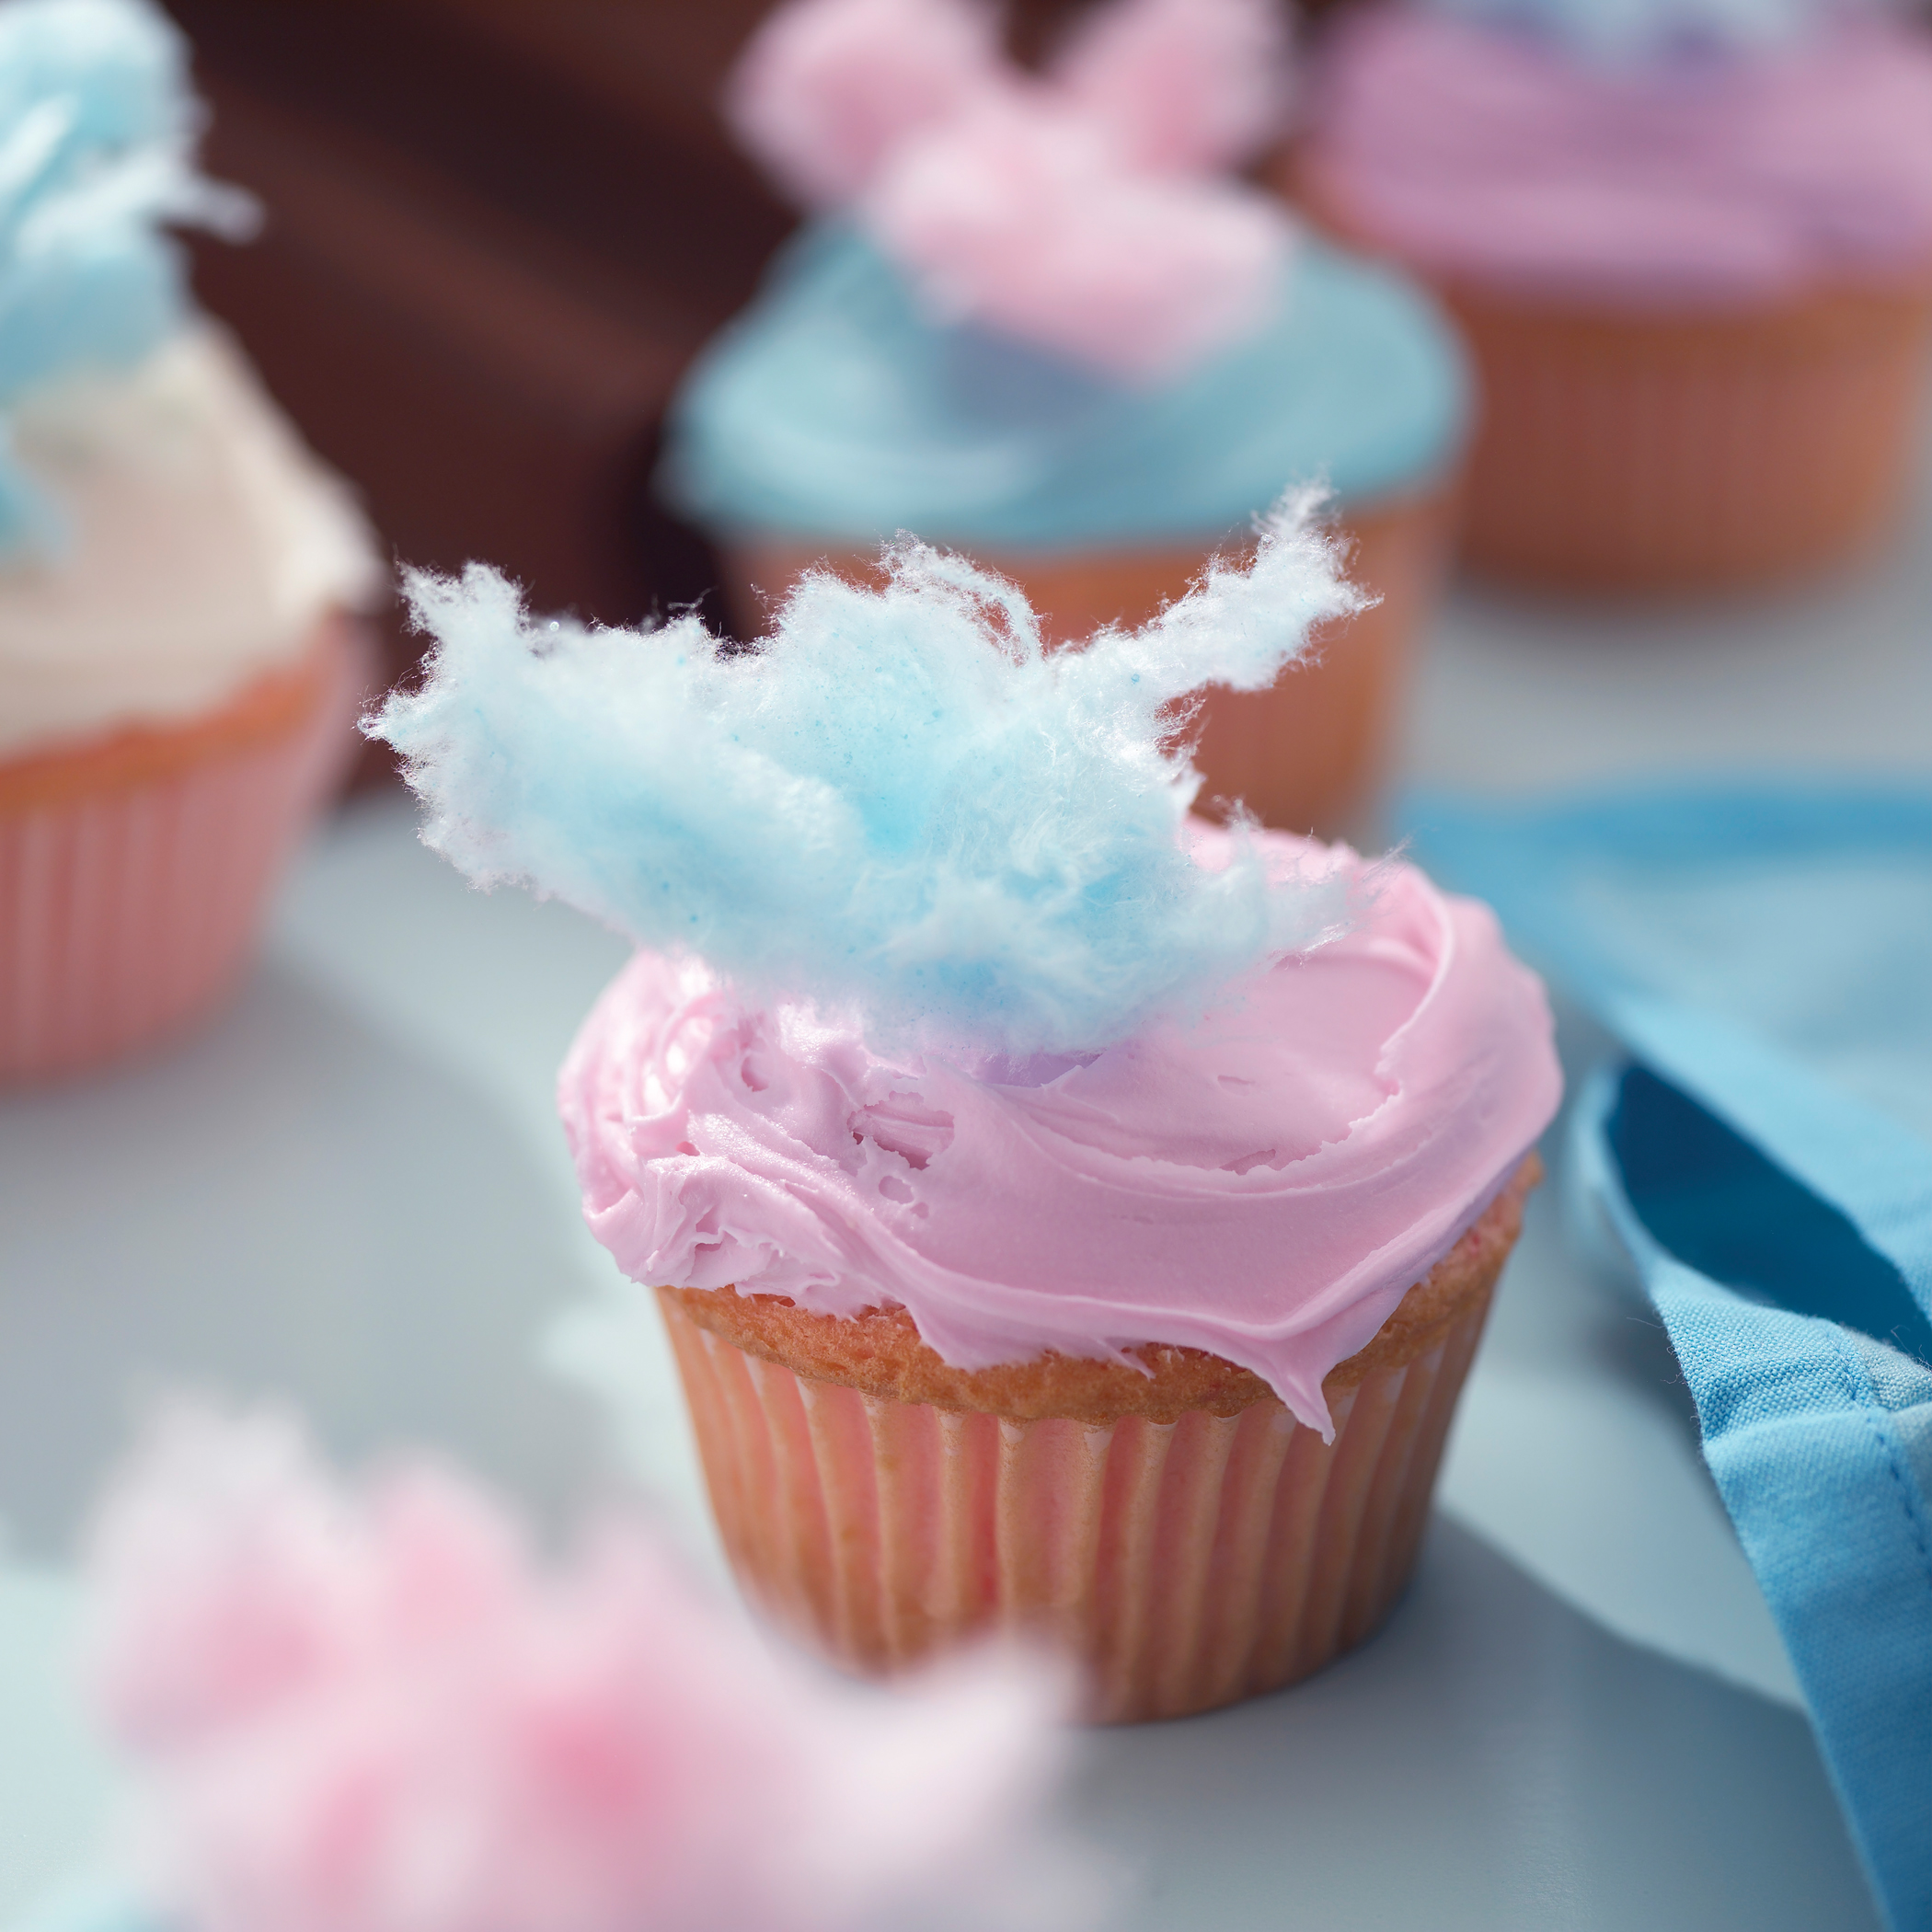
(1086, 208)
(829, 88)
(900, 804)
(467, 1738)
(1023, 222)
(97, 141)
(1183, 85)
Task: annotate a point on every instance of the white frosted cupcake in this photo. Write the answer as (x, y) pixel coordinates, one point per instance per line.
(178, 657)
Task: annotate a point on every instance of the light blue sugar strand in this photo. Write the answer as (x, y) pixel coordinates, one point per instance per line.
(97, 126)
(1623, 31)
(899, 804)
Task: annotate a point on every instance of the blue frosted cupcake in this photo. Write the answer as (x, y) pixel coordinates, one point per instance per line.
(1035, 319)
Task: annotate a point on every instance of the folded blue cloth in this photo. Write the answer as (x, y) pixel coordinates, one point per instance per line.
(1766, 954)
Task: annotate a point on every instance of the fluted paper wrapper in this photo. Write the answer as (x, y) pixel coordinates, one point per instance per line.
(133, 876)
(1650, 448)
(1304, 754)
(1184, 1565)
(1641, 453)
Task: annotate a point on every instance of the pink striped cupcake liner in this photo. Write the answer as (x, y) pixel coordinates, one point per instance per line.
(129, 910)
(1183, 1565)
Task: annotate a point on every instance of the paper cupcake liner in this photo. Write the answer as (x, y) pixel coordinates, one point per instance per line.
(1636, 454)
(1640, 450)
(133, 871)
(1185, 1565)
(1304, 754)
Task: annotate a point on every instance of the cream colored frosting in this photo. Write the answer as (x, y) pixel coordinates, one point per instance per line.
(200, 543)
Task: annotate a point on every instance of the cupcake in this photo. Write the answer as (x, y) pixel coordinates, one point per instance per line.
(178, 659)
(1691, 246)
(1037, 320)
(1072, 1219)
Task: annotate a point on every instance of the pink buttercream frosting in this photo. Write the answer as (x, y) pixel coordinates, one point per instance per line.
(1266, 1182)
(1481, 153)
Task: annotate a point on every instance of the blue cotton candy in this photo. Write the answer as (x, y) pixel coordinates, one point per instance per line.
(96, 135)
(899, 804)
(1623, 30)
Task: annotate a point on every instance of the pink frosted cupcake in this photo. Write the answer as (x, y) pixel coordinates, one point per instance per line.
(1691, 246)
(1070, 1219)
(178, 659)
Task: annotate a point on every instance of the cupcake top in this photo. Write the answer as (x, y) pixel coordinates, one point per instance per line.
(1681, 154)
(836, 410)
(1265, 1182)
(944, 1001)
(163, 534)
(1039, 309)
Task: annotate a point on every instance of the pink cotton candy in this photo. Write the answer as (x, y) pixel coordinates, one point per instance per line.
(225, 1579)
(1082, 210)
(828, 88)
(1021, 220)
(457, 1739)
(1181, 83)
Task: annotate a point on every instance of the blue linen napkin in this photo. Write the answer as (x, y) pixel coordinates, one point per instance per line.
(1765, 1163)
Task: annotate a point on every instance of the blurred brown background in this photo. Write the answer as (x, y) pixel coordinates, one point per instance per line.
(497, 232)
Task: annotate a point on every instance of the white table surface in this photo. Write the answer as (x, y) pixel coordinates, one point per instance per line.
(352, 1192)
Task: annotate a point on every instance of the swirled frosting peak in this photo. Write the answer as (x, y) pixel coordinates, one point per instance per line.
(1265, 1182)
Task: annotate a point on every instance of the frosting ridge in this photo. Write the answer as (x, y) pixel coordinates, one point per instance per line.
(1266, 1184)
